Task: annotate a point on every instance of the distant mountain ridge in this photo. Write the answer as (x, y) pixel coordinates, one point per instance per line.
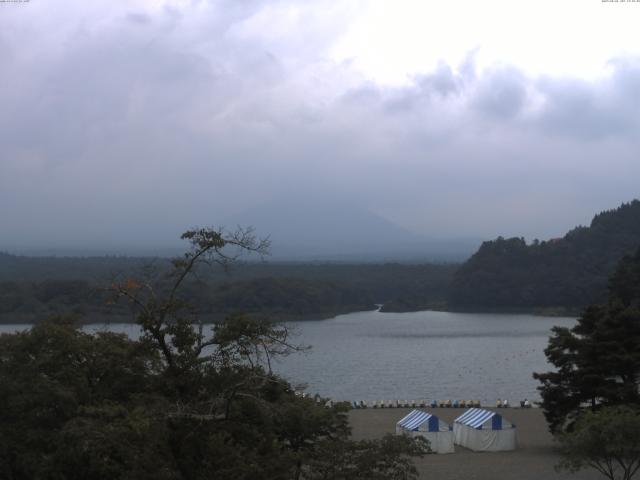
(564, 273)
(330, 229)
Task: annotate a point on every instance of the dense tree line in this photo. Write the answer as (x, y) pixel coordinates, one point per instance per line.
(21, 268)
(289, 291)
(564, 274)
(284, 298)
(289, 297)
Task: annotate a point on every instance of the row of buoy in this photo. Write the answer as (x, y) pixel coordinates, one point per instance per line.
(415, 404)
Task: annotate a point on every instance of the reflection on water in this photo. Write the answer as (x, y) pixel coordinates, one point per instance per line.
(430, 355)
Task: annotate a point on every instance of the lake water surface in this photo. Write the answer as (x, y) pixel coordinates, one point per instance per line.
(430, 355)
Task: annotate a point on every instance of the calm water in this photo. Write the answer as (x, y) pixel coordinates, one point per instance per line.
(431, 355)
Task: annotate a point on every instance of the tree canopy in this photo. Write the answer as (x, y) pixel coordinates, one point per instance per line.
(597, 361)
(607, 441)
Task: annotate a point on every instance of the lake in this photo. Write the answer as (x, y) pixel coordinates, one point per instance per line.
(430, 355)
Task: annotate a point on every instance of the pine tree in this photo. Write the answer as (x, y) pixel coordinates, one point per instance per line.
(598, 360)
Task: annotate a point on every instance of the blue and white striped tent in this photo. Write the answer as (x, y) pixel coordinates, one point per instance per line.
(420, 423)
(484, 430)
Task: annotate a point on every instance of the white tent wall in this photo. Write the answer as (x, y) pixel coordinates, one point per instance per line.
(439, 442)
(422, 424)
(484, 431)
(485, 440)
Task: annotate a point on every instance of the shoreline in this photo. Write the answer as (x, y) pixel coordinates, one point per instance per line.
(92, 318)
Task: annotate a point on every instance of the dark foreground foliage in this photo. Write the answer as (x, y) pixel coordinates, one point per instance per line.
(597, 361)
(607, 441)
(182, 402)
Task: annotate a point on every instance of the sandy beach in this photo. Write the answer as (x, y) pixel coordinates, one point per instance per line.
(533, 460)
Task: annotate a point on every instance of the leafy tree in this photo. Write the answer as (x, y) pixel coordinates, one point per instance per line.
(55, 379)
(598, 360)
(183, 402)
(384, 459)
(607, 441)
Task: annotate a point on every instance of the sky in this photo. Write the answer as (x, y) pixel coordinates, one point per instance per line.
(125, 123)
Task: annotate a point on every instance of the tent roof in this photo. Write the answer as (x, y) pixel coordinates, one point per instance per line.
(415, 419)
(475, 417)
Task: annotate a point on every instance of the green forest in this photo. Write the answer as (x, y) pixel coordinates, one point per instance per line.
(560, 275)
(33, 288)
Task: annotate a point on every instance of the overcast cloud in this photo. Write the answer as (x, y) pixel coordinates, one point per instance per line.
(127, 122)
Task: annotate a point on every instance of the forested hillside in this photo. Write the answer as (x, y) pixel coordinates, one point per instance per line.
(564, 274)
(32, 288)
